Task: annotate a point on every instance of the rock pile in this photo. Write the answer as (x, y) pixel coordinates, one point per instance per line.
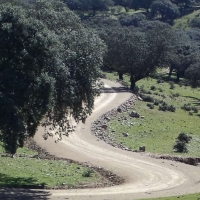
(186, 160)
(100, 127)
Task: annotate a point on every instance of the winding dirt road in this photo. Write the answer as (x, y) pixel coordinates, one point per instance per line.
(145, 177)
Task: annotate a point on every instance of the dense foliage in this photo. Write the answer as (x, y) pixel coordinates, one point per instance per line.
(50, 59)
(49, 65)
(137, 53)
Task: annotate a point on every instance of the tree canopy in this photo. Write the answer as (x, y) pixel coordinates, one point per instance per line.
(49, 65)
(87, 5)
(185, 51)
(165, 8)
(136, 53)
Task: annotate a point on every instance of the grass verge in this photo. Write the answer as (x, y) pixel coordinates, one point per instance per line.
(158, 130)
(182, 197)
(38, 169)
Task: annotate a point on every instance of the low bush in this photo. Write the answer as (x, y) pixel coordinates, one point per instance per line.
(186, 107)
(88, 173)
(183, 137)
(165, 107)
(172, 86)
(147, 98)
(153, 87)
(159, 80)
(181, 143)
(151, 106)
(180, 147)
(156, 102)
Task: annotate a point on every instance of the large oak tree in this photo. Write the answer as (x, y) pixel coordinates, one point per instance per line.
(49, 65)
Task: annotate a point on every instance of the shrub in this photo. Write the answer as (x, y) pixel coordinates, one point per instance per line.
(172, 86)
(195, 110)
(181, 143)
(186, 107)
(180, 147)
(149, 92)
(190, 113)
(160, 89)
(151, 106)
(156, 102)
(183, 137)
(142, 90)
(153, 87)
(195, 22)
(171, 108)
(165, 107)
(88, 173)
(147, 98)
(175, 95)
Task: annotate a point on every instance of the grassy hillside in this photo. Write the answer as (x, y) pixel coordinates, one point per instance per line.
(158, 129)
(184, 22)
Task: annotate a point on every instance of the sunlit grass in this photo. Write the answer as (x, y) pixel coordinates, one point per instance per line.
(158, 130)
(181, 197)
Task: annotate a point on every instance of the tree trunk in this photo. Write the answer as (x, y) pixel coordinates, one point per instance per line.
(170, 71)
(94, 12)
(178, 75)
(126, 9)
(132, 80)
(120, 76)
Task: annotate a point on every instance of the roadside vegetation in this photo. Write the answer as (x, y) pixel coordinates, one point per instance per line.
(182, 197)
(27, 171)
(169, 108)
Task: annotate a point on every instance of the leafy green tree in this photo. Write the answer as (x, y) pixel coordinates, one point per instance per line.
(165, 8)
(136, 53)
(184, 3)
(184, 53)
(124, 3)
(195, 22)
(49, 65)
(193, 74)
(87, 5)
(137, 4)
(131, 20)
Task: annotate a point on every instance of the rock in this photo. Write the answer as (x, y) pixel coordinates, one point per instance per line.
(134, 114)
(119, 110)
(142, 148)
(125, 134)
(104, 126)
(139, 98)
(107, 118)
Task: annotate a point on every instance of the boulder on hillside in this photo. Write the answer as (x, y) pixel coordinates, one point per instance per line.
(134, 114)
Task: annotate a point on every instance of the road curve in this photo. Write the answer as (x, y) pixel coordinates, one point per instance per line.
(145, 177)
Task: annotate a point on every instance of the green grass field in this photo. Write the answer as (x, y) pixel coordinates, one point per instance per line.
(24, 171)
(21, 172)
(185, 197)
(184, 22)
(158, 130)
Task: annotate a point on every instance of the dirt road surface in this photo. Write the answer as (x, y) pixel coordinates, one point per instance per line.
(145, 177)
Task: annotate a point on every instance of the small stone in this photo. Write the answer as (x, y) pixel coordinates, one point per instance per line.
(125, 134)
(104, 126)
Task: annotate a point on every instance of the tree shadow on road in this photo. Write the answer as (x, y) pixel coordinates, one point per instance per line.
(115, 90)
(23, 194)
(21, 188)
